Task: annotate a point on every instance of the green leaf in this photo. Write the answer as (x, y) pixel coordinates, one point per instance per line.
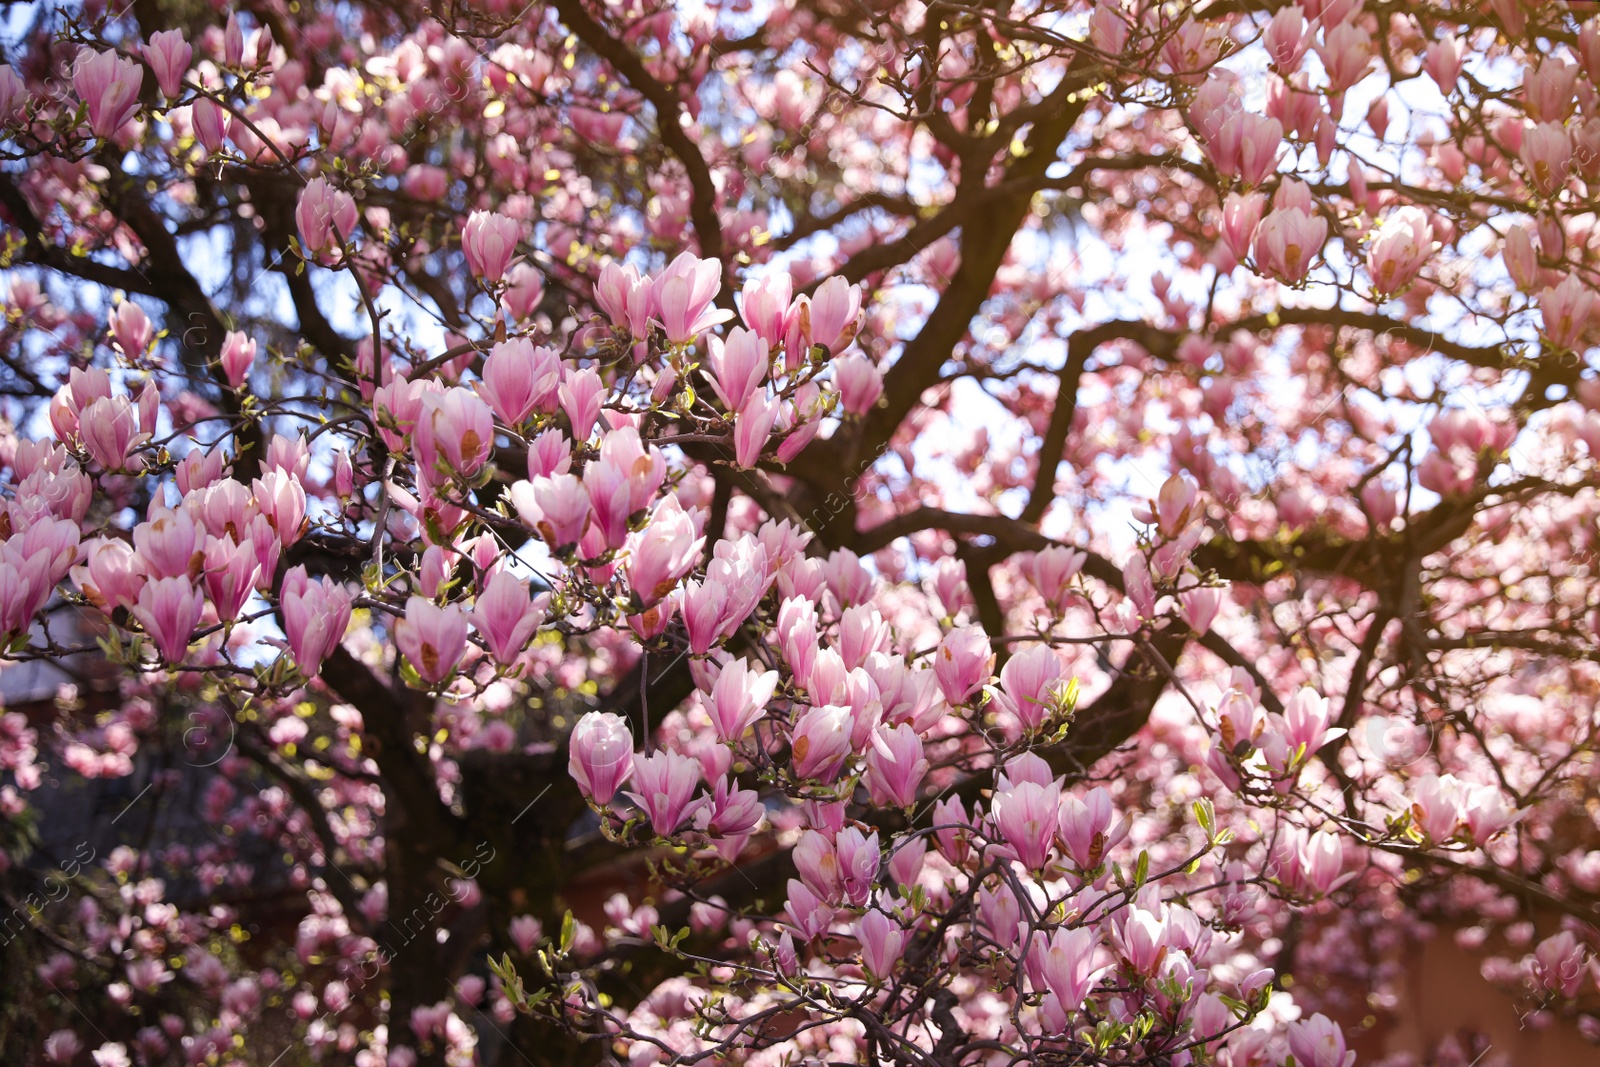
(569, 929)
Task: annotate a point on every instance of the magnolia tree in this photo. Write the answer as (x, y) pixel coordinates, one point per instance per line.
(790, 533)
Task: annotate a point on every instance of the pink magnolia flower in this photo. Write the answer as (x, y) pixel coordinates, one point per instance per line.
(422, 181)
(895, 765)
(800, 420)
(489, 241)
(1089, 828)
(683, 295)
(131, 329)
(1052, 569)
(729, 815)
(506, 617)
(1287, 241)
(848, 581)
(292, 455)
(626, 298)
(741, 570)
(610, 500)
(600, 755)
(962, 663)
(1548, 89)
(109, 429)
(13, 92)
(1521, 258)
(1246, 146)
(112, 575)
(1567, 311)
(232, 42)
(231, 571)
(950, 586)
(1469, 431)
(282, 499)
(525, 931)
(1068, 966)
(1241, 215)
(558, 507)
(269, 548)
(315, 616)
(168, 55)
(862, 632)
(168, 543)
(1560, 964)
(432, 638)
(431, 1020)
(809, 912)
(766, 307)
(797, 635)
(169, 609)
(1443, 60)
(1311, 865)
(520, 378)
(1200, 606)
(238, 353)
(835, 307)
(25, 586)
(820, 742)
(752, 427)
(1140, 938)
(1025, 815)
(663, 787)
(858, 856)
(455, 431)
(738, 366)
(224, 507)
(661, 555)
(581, 395)
(1401, 246)
(48, 543)
(62, 1047)
(598, 127)
(818, 865)
(1547, 154)
(1446, 476)
(882, 941)
(326, 217)
(549, 453)
(84, 386)
(1346, 53)
(641, 468)
(1437, 806)
(1307, 718)
(1318, 1042)
(524, 290)
(212, 124)
(905, 863)
(1001, 914)
(1214, 103)
(859, 381)
(739, 698)
(149, 405)
(1030, 685)
(1286, 38)
(1379, 500)
(1108, 29)
(952, 829)
(110, 85)
(1487, 813)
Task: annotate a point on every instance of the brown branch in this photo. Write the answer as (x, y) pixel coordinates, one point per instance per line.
(669, 110)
